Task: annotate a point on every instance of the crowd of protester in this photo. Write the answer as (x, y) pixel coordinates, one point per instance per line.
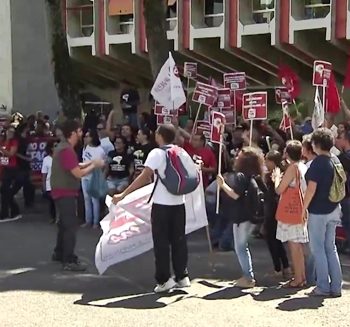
(280, 165)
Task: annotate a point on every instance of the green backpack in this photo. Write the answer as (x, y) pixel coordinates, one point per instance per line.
(337, 191)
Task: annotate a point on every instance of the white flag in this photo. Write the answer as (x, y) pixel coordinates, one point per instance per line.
(167, 89)
(318, 114)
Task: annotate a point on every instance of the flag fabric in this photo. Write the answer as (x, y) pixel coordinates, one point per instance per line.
(168, 89)
(290, 80)
(286, 122)
(127, 230)
(318, 113)
(217, 126)
(346, 82)
(332, 96)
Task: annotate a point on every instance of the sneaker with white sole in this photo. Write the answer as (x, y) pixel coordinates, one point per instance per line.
(185, 282)
(162, 288)
(244, 282)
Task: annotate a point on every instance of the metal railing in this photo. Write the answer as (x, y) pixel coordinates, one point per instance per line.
(317, 10)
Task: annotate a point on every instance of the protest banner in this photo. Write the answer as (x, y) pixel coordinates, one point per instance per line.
(321, 77)
(164, 119)
(203, 127)
(235, 81)
(190, 70)
(161, 110)
(224, 98)
(127, 227)
(282, 94)
(254, 108)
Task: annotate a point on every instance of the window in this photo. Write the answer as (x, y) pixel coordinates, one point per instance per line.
(317, 8)
(263, 11)
(214, 7)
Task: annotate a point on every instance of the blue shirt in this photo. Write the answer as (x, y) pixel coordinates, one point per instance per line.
(321, 172)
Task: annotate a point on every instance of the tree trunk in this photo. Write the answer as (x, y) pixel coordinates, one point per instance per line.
(66, 84)
(156, 32)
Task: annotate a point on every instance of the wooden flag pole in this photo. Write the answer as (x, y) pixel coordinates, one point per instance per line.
(251, 133)
(219, 171)
(195, 121)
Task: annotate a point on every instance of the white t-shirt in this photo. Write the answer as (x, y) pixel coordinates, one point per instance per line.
(106, 145)
(46, 169)
(93, 153)
(156, 160)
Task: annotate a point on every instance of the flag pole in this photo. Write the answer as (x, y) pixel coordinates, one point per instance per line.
(251, 132)
(195, 121)
(187, 102)
(342, 90)
(219, 172)
(234, 109)
(296, 107)
(324, 96)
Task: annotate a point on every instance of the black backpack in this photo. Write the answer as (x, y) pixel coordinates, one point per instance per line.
(253, 201)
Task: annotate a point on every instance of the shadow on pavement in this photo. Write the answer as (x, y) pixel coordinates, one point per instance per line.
(301, 303)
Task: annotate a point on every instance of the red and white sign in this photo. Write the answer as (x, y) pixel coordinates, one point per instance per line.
(282, 94)
(217, 127)
(235, 81)
(205, 94)
(255, 106)
(161, 110)
(286, 122)
(224, 98)
(229, 115)
(203, 127)
(190, 69)
(164, 119)
(322, 73)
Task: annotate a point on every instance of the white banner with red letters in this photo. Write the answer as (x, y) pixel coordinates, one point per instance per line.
(127, 230)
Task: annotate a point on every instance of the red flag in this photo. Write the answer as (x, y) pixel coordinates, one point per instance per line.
(290, 80)
(346, 82)
(332, 97)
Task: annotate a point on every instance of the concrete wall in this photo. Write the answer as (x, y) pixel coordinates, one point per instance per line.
(5, 55)
(33, 83)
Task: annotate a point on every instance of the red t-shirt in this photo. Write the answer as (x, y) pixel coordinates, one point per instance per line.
(10, 162)
(68, 160)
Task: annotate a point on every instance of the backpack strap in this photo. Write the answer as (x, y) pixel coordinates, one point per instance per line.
(154, 188)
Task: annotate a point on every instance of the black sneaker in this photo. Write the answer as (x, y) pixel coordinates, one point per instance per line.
(75, 267)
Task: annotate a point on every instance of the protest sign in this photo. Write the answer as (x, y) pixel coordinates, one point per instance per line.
(190, 70)
(235, 81)
(322, 73)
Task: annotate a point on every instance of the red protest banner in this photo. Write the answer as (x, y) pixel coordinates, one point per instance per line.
(190, 70)
(235, 81)
(161, 110)
(203, 127)
(322, 73)
(205, 94)
(164, 119)
(217, 127)
(282, 94)
(224, 98)
(255, 106)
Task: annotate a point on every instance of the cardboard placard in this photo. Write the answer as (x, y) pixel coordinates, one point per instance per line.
(161, 110)
(190, 69)
(217, 127)
(255, 106)
(235, 81)
(282, 94)
(322, 73)
(224, 98)
(205, 94)
(164, 119)
(229, 115)
(203, 127)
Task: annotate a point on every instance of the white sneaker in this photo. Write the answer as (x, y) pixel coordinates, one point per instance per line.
(185, 282)
(162, 288)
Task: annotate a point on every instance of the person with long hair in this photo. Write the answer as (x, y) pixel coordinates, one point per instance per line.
(292, 230)
(278, 253)
(92, 151)
(248, 165)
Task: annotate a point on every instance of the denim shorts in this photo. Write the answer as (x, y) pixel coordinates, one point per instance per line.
(118, 184)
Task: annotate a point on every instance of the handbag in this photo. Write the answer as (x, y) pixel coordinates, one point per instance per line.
(290, 204)
(97, 187)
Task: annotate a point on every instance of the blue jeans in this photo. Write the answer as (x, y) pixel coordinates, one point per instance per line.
(92, 205)
(241, 234)
(345, 205)
(322, 245)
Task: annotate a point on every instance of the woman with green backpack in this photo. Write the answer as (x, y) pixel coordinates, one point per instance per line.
(325, 189)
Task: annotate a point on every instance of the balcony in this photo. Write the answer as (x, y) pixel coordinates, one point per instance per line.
(119, 23)
(310, 15)
(256, 17)
(207, 20)
(80, 24)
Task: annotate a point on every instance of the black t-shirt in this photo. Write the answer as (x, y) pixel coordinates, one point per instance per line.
(321, 171)
(140, 155)
(22, 150)
(129, 100)
(345, 161)
(119, 164)
(234, 209)
(130, 147)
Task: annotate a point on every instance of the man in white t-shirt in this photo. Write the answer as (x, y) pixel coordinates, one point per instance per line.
(168, 217)
(106, 143)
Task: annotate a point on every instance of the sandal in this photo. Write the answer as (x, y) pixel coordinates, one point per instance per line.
(292, 284)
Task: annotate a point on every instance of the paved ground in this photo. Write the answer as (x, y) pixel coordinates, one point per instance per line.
(35, 292)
